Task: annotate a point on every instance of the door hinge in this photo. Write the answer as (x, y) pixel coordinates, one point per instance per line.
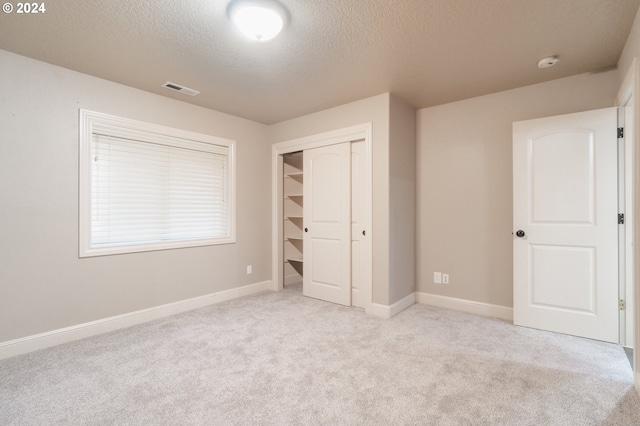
(622, 305)
(620, 218)
(620, 132)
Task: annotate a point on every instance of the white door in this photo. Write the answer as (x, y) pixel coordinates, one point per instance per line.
(359, 237)
(327, 223)
(565, 250)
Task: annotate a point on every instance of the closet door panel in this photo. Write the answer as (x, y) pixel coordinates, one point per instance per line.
(359, 239)
(327, 223)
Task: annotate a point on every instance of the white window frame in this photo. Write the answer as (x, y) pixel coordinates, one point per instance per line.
(89, 121)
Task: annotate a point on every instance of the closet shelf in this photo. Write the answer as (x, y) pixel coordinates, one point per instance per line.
(298, 177)
(292, 259)
(295, 238)
(295, 198)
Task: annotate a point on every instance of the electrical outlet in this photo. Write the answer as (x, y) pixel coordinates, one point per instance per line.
(249, 269)
(445, 278)
(437, 278)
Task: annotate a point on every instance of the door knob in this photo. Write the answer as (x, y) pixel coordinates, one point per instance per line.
(306, 229)
(364, 232)
(520, 233)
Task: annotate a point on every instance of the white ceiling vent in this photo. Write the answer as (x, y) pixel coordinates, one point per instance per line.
(180, 89)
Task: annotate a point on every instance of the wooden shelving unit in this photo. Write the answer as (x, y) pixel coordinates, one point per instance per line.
(293, 203)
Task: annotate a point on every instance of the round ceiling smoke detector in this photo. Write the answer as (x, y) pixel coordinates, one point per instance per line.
(547, 62)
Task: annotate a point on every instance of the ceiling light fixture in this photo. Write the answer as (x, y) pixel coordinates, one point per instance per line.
(260, 20)
(547, 62)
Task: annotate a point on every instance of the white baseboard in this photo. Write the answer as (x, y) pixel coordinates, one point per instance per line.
(63, 335)
(388, 311)
(470, 306)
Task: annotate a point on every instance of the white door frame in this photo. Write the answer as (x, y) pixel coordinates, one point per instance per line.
(630, 89)
(349, 134)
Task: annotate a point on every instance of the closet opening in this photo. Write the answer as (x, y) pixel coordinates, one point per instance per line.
(333, 258)
(293, 207)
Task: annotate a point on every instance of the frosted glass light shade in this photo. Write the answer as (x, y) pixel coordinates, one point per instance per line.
(258, 20)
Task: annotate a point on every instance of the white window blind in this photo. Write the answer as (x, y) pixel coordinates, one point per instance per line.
(149, 190)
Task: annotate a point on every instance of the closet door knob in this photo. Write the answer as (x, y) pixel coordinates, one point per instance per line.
(306, 229)
(520, 234)
(364, 232)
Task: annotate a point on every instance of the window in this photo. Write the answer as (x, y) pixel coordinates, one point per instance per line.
(148, 187)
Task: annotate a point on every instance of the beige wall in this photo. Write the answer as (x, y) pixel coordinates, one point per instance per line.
(43, 284)
(376, 111)
(631, 49)
(464, 182)
(402, 199)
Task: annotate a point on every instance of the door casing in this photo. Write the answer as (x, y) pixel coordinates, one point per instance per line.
(629, 95)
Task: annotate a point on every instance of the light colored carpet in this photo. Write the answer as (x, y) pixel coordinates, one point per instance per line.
(280, 358)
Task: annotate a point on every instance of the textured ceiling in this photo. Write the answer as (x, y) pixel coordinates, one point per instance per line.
(332, 52)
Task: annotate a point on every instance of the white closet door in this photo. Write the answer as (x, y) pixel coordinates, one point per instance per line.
(565, 244)
(327, 223)
(359, 237)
